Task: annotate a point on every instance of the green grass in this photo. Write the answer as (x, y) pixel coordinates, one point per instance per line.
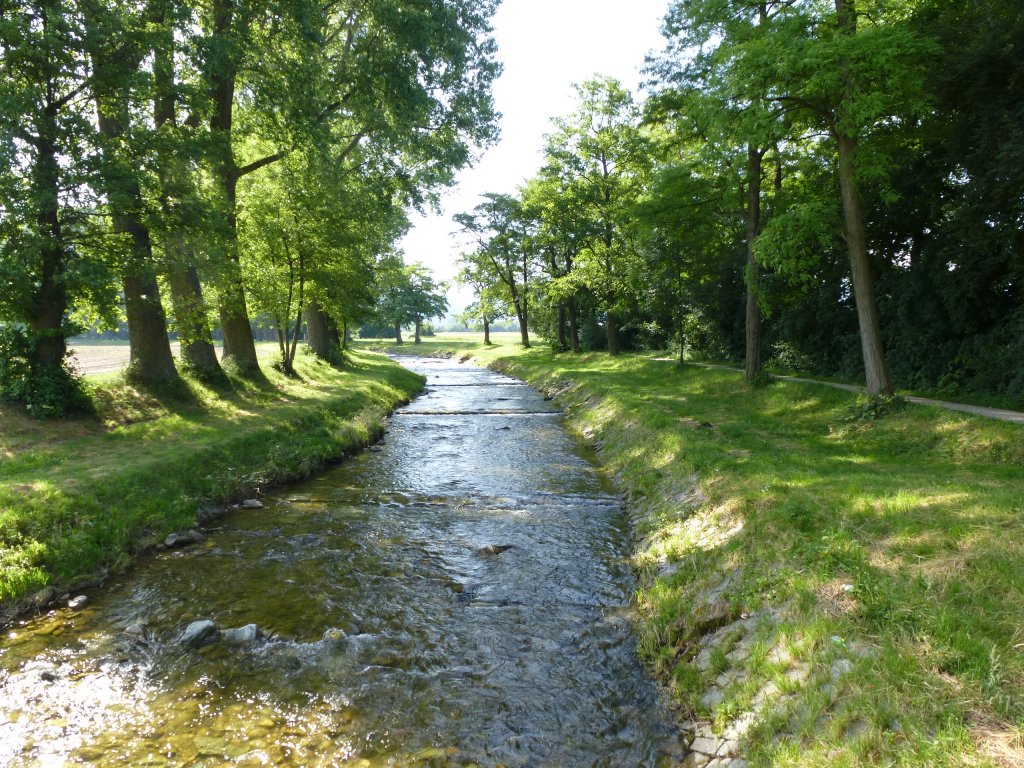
(892, 541)
(79, 497)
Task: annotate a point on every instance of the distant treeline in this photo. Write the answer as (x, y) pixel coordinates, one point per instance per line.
(831, 187)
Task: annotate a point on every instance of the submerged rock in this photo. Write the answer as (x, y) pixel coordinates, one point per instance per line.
(199, 633)
(246, 635)
(208, 511)
(183, 539)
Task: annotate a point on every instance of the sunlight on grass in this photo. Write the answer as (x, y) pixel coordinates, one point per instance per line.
(91, 490)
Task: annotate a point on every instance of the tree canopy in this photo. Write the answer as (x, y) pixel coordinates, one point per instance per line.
(167, 158)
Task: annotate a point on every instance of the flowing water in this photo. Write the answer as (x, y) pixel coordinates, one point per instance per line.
(458, 596)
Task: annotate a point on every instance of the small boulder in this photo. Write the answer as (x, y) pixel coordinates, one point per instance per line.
(199, 633)
(840, 668)
(495, 549)
(77, 602)
(44, 597)
(207, 512)
(252, 504)
(246, 635)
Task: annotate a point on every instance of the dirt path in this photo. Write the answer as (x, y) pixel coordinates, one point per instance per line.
(978, 410)
(89, 360)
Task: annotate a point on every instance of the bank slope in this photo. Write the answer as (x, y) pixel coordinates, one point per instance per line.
(826, 582)
(78, 498)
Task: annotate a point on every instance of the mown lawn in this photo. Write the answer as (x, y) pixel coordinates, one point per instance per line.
(886, 539)
(79, 497)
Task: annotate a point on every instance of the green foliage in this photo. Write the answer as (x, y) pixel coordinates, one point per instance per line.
(408, 294)
(137, 139)
(872, 408)
(52, 392)
(501, 264)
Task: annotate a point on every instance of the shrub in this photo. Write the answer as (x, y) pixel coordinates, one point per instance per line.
(46, 392)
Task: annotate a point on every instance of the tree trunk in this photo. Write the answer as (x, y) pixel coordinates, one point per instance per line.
(682, 339)
(612, 331)
(875, 369)
(151, 362)
(753, 276)
(398, 333)
(194, 333)
(876, 372)
(487, 330)
(318, 331)
(524, 333)
(574, 326)
(416, 340)
(239, 346)
(299, 309)
(190, 311)
(282, 344)
(562, 346)
(48, 346)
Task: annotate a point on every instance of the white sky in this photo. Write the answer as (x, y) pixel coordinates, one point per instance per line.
(545, 46)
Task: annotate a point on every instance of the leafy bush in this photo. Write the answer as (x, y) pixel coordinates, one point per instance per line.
(46, 392)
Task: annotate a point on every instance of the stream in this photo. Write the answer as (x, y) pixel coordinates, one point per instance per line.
(456, 596)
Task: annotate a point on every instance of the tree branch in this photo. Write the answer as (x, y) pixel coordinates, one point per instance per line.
(256, 165)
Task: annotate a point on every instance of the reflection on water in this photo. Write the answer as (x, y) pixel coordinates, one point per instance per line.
(456, 598)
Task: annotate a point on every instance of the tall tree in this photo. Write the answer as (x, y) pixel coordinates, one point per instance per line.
(412, 79)
(562, 230)
(728, 106)
(503, 252)
(424, 297)
(116, 45)
(604, 157)
(847, 69)
(47, 148)
(489, 305)
(179, 150)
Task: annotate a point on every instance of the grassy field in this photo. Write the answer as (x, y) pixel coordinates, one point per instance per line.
(79, 497)
(844, 580)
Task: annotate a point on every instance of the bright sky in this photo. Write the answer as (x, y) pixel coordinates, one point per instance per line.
(545, 46)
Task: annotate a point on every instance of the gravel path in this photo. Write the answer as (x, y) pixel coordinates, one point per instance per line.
(978, 410)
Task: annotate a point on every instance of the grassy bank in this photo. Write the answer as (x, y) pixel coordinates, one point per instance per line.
(828, 583)
(78, 498)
